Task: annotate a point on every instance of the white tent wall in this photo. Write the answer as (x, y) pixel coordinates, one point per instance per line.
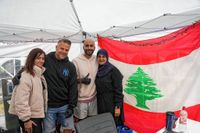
(20, 51)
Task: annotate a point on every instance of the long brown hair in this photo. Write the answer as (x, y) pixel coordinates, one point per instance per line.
(33, 54)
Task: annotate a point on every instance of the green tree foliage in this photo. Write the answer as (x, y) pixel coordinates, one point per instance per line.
(142, 87)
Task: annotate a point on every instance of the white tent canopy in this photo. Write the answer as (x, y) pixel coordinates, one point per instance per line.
(49, 20)
(159, 24)
(98, 15)
(38, 20)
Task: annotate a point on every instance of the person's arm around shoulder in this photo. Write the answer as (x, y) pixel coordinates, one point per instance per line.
(16, 78)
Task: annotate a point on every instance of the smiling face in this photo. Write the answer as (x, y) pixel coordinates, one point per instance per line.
(62, 50)
(89, 47)
(101, 59)
(39, 60)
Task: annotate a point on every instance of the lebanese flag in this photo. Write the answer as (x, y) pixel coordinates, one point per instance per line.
(160, 75)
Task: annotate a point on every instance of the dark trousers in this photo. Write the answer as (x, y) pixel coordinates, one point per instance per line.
(36, 129)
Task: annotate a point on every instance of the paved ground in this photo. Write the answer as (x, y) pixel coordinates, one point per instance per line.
(2, 121)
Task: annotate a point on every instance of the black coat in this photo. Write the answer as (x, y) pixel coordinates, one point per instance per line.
(109, 93)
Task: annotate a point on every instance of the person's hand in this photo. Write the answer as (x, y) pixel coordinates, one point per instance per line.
(17, 77)
(29, 126)
(69, 112)
(86, 80)
(117, 111)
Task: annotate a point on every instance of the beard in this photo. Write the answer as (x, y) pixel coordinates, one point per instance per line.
(89, 52)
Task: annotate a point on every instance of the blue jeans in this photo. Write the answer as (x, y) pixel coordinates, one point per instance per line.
(54, 115)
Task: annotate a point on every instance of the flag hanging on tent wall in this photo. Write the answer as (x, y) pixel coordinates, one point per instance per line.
(160, 75)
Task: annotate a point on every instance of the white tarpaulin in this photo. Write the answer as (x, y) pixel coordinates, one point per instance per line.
(49, 20)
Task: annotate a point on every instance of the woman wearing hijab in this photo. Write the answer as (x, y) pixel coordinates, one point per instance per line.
(29, 98)
(109, 88)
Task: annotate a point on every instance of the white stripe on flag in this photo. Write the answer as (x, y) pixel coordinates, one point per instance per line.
(178, 80)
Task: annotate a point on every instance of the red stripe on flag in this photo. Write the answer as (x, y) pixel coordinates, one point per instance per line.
(143, 121)
(166, 48)
(151, 122)
(194, 112)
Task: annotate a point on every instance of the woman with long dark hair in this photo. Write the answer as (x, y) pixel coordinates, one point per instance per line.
(29, 98)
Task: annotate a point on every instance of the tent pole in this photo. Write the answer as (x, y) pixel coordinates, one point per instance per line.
(76, 14)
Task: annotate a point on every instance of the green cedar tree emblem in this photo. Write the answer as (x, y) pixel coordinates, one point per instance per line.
(142, 87)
